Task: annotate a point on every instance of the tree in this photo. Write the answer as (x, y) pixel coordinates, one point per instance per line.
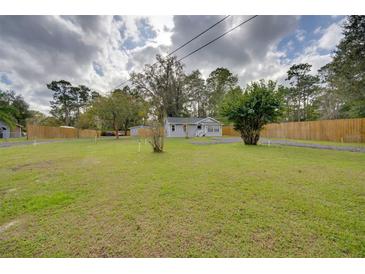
(197, 93)
(13, 108)
(83, 96)
(117, 110)
(7, 111)
(250, 110)
(68, 101)
(329, 100)
(302, 93)
(346, 72)
(36, 117)
(63, 103)
(162, 84)
(219, 82)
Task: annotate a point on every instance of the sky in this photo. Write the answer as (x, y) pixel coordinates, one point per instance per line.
(101, 51)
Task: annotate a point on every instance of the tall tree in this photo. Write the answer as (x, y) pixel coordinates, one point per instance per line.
(197, 93)
(302, 93)
(162, 85)
(346, 72)
(219, 82)
(68, 101)
(64, 101)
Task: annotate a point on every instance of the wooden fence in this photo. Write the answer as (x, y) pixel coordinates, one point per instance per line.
(343, 130)
(43, 132)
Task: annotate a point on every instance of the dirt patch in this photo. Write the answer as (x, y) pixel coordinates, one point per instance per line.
(264, 240)
(90, 161)
(8, 225)
(31, 166)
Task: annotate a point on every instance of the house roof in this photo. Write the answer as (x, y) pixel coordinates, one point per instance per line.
(187, 120)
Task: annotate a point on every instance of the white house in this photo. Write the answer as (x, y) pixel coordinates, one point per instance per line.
(192, 127)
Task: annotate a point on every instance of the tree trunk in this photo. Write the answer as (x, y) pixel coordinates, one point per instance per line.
(250, 137)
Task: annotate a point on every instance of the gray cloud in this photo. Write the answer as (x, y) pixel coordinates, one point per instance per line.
(100, 51)
(242, 49)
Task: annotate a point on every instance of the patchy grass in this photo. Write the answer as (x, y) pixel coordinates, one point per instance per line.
(11, 140)
(104, 199)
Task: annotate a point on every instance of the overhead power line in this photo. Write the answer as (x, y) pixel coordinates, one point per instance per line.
(206, 44)
(220, 36)
(200, 34)
(185, 44)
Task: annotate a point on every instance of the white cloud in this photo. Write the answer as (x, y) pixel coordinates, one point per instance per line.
(331, 36)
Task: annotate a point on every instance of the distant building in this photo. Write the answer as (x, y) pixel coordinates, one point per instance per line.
(192, 127)
(7, 132)
(138, 130)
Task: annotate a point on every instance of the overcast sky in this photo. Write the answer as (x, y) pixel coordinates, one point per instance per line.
(100, 51)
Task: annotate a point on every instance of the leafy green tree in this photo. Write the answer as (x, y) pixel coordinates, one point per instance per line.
(162, 85)
(219, 82)
(13, 108)
(68, 101)
(117, 110)
(346, 72)
(197, 93)
(63, 104)
(7, 112)
(252, 109)
(303, 91)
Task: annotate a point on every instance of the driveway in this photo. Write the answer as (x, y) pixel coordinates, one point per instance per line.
(281, 142)
(14, 144)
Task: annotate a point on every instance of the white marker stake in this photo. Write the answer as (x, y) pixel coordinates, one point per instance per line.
(269, 143)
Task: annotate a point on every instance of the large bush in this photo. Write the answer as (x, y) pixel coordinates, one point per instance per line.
(251, 109)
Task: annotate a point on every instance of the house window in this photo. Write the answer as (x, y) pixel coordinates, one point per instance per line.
(210, 129)
(184, 128)
(172, 127)
(216, 129)
(199, 127)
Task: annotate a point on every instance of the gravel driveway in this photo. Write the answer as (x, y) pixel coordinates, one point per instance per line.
(281, 142)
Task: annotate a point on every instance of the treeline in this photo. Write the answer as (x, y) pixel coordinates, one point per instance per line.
(337, 90)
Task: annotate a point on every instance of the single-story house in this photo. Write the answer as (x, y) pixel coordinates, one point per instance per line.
(7, 132)
(137, 130)
(192, 127)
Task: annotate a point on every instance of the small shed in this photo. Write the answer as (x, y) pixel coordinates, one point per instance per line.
(137, 130)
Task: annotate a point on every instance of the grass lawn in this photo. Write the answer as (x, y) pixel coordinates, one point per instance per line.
(11, 140)
(81, 199)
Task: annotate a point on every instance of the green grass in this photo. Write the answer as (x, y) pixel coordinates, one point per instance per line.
(11, 140)
(81, 199)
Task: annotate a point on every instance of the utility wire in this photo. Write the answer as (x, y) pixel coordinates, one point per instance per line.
(200, 34)
(220, 36)
(183, 45)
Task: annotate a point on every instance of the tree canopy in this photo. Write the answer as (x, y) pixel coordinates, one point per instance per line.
(260, 103)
